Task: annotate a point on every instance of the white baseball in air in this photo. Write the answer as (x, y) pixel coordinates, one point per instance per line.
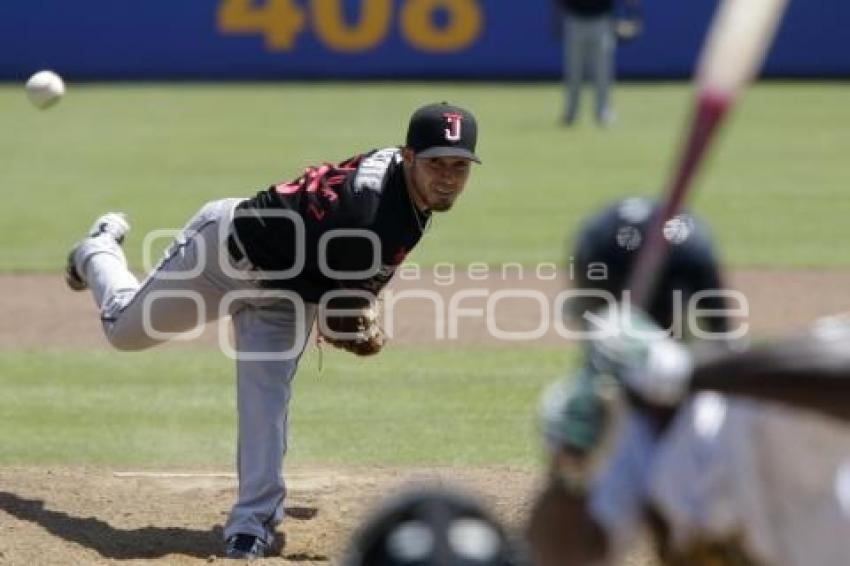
(45, 88)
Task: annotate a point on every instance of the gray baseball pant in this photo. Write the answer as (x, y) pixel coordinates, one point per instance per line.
(590, 42)
(197, 282)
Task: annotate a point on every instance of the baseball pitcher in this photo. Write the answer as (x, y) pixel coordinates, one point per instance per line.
(322, 245)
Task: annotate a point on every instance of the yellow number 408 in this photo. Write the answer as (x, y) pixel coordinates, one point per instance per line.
(281, 21)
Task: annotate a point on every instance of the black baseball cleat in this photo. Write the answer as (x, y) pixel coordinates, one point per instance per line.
(113, 224)
(246, 547)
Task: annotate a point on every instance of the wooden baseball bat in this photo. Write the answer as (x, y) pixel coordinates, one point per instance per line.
(737, 42)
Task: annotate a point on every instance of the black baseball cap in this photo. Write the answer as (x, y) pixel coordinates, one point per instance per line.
(613, 237)
(443, 130)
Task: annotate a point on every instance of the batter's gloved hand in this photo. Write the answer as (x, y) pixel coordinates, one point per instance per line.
(572, 415)
(352, 324)
(577, 418)
(628, 345)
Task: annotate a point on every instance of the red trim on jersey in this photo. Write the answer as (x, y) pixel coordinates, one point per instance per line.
(399, 256)
(317, 213)
(288, 188)
(315, 178)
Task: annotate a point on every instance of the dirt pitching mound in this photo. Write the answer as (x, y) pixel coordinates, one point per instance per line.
(99, 516)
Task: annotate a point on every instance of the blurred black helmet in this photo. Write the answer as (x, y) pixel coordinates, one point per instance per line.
(608, 244)
(431, 527)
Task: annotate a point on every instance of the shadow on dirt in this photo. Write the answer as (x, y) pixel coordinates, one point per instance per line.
(121, 544)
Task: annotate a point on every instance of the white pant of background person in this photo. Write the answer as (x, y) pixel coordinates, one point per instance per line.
(590, 44)
(265, 324)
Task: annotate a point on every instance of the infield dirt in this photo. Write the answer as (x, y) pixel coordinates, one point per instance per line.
(40, 312)
(98, 516)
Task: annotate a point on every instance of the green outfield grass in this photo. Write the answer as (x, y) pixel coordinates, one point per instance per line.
(776, 192)
(176, 407)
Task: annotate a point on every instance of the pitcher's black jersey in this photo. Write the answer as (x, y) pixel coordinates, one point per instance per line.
(347, 225)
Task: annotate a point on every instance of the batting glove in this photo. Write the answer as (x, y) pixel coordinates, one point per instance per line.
(650, 364)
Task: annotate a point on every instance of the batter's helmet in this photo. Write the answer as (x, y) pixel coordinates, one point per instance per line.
(431, 527)
(609, 241)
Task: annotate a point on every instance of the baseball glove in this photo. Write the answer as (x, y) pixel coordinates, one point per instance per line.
(627, 29)
(352, 327)
(628, 25)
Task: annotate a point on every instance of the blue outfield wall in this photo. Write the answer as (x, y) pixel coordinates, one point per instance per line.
(309, 39)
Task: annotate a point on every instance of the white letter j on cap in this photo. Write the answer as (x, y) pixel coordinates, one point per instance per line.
(453, 131)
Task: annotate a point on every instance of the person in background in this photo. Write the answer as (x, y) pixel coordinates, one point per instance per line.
(591, 34)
